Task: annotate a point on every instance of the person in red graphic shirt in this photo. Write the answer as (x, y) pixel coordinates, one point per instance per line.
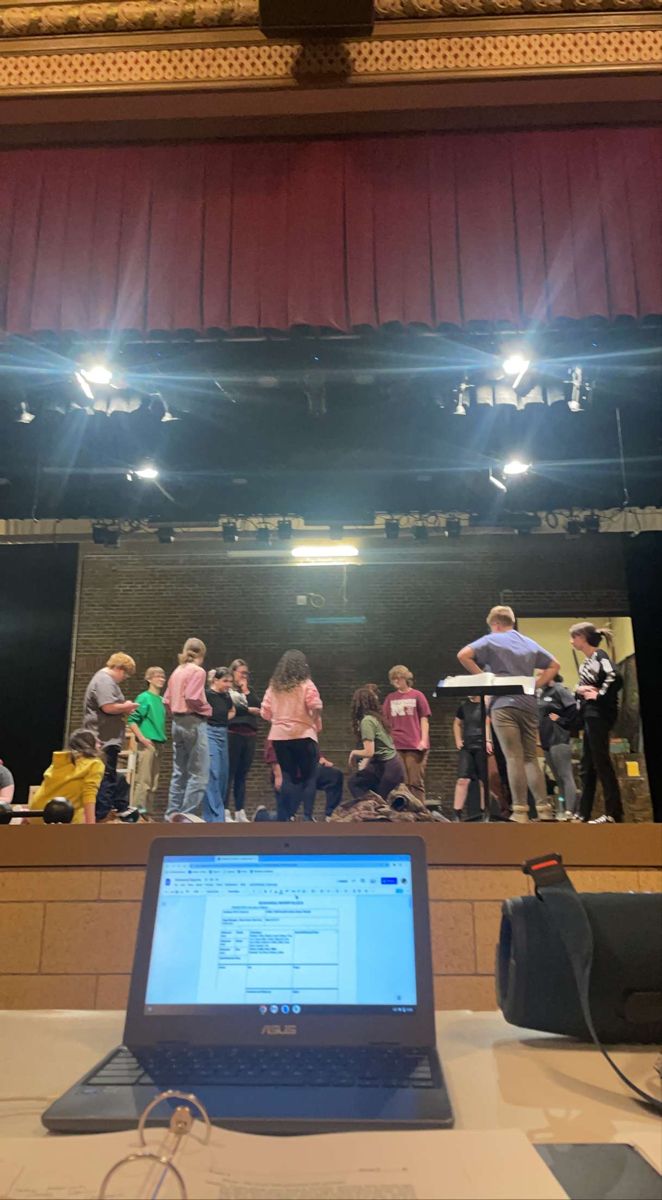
(408, 715)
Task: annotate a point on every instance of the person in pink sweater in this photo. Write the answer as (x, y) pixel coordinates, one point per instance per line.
(186, 702)
(293, 706)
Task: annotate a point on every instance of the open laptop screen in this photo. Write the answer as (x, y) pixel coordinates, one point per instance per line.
(283, 934)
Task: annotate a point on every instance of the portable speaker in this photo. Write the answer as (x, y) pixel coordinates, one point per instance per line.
(316, 18)
(536, 986)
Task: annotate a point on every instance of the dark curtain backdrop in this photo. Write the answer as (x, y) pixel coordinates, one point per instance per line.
(341, 232)
(643, 555)
(37, 596)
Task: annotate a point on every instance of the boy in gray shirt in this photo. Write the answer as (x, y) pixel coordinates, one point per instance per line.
(105, 710)
(514, 719)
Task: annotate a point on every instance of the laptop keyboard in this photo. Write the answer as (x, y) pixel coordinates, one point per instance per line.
(188, 1067)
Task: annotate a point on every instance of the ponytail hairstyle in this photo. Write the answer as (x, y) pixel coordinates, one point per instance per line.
(193, 650)
(593, 636)
(365, 701)
(290, 670)
(83, 744)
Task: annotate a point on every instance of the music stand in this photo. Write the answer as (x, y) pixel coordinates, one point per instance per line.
(481, 690)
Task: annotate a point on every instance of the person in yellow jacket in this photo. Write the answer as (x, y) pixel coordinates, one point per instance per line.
(75, 774)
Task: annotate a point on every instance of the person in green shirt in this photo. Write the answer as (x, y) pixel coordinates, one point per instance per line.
(148, 725)
(380, 767)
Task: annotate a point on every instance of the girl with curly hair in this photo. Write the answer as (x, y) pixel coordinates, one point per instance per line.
(380, 766)
(293, 706)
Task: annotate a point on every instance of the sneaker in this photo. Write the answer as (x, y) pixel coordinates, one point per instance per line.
(520, 815)
(546, 812)
(228, 816)
(240, 817)
(604, 820)
(261, 813)
(457, 814)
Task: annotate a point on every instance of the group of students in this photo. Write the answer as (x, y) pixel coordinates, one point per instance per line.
(215, 717)
(552, 717)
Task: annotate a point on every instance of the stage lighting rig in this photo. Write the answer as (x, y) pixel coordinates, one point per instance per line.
(421, 533)
(453, 527)
(516, 466)
(391, 529)
(263, 535)
(105, 535)
(284, 530)
(498, 483)
(573, 527)
(591, 523)
(229, 532)
(165, 535)
(146, 471)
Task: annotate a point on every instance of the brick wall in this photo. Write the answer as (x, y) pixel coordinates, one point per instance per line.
(78, 929)
(420, 605)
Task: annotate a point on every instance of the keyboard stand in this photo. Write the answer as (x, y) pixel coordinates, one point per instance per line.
(481, 690)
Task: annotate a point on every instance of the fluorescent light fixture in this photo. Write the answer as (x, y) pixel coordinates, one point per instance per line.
(336, 551)
(147, 471)
(498, 483)
(97, 373)
(515, 466)
(84, 385)
(515, 364)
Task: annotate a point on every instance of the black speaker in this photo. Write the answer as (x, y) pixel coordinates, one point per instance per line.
(316, 18)
(536, 988)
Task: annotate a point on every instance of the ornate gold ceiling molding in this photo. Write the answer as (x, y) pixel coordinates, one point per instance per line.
(197, 60)
(44, 19)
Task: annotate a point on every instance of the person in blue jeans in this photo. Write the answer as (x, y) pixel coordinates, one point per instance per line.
(219, 682)
(187, 704)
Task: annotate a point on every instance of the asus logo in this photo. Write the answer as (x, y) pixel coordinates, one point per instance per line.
(279, 1030)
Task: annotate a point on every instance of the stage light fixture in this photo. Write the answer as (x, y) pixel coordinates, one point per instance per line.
(328, 553)
(229, 532)
(591, 523)
(165, 535)
(573, 527)
(284, 531)
(498, 483)
(147, 471)
(25, 417)
(105, 535)
(515, 467)
(421, 533)
(263, 535)
(84, 385)
(453, 527)
(392, 529)
(97, 373)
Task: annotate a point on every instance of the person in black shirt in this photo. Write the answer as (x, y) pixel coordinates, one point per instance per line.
(597, 692)
(242, 735)
(217, 692)
(554, 701)
(471, 763)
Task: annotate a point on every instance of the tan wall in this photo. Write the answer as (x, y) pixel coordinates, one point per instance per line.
(67, 934)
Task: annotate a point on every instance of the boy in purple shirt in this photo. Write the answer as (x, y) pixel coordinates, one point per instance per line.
(407, 715)
(514, 719)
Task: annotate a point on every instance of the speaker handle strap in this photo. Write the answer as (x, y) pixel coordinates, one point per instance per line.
(556, 891)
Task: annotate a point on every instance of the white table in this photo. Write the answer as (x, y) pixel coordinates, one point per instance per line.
(499, 1077)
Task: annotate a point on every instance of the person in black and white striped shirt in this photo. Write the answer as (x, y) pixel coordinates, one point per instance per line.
(597, 692)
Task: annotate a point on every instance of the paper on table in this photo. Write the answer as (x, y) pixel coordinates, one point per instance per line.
(443, 1165)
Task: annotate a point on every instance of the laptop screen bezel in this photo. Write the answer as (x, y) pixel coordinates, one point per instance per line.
(250, 1028)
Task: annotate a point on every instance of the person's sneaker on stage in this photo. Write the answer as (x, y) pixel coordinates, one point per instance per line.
(520, 814)
(604, 820)
(240, 816)
(545, 812)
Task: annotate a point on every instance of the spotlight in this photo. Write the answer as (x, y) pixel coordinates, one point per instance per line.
(498, 483)
(516, 466)
(453, 527)
(392, 529)
(284, 531)
(165, 535)
(97, 373)
(229, 532)
(573, 527)
(25, 417)
(146, 471)
(105, 535)
(515, 364)
(592, 523)
(263, 535)
(421, 533)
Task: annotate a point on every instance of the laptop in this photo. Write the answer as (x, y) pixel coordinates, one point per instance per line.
(286, 981)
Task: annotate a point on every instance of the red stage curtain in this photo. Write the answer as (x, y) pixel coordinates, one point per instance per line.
(430, 228)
